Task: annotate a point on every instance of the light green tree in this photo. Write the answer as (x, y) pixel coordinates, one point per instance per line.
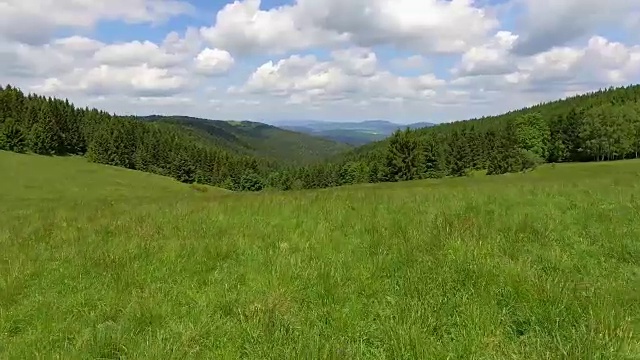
(533, 134)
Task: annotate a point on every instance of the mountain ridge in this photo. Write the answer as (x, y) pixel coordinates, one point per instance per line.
(258, 139)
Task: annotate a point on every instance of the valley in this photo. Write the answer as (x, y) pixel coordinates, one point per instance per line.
(105, 262)
(352, 133)
(512, 236)
(320, 179)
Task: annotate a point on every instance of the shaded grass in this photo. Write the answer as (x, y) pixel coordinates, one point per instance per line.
(99, 262)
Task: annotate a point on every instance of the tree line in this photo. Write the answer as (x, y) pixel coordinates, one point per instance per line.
(599, 126)
(47, 126)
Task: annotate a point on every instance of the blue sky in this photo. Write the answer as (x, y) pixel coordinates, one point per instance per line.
(269, 60)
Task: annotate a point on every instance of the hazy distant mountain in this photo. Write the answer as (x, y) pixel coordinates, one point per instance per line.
(258, 139)
(354, 133)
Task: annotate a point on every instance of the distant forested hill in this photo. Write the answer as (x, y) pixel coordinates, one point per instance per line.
(245, 156)
(48, 126)
(353, 133)
(597, 126)
(258, 139)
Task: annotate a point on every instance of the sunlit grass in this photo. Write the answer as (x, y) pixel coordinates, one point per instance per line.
(101, 262)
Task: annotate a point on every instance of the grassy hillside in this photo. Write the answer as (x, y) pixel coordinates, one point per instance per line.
(260, 139)
(41, 179)
(241, 156)
(101, 262)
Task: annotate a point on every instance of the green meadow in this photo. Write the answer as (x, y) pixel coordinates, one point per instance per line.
(103, 262)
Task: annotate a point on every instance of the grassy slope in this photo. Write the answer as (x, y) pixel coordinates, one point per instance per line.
(262, 140)
(100, 262)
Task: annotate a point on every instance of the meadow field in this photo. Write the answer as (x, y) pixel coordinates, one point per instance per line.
(103, 262)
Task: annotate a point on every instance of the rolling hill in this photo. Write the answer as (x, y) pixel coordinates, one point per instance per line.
(258, 139)
(102, 262)
(599, 126)
(354, 133)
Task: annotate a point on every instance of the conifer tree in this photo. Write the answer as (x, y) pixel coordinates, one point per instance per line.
(184, 170)
(12, 136)
(435, 163)
(459, 154)
(405, 156)
(249, 181)
(42, 139)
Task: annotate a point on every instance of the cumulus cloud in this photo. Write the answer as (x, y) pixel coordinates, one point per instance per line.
(135, 53)
(34, 21)
(492, 58)
(80, 65)
(356, 61)
(78, 45)
(351, 73)
(618, 64)
(190, 43)
(244, 28)
(549, 23)
(213, 61)
(32, 61)
(601, 63)
(142, 80)
(425, 26)
(371, 57)
(596, 64)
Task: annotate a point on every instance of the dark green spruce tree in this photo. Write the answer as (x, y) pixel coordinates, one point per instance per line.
(435, 165)
(405, 158)
(12, 137)
(460, 161)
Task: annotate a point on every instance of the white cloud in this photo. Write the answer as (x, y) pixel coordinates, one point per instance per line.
(565, 69)
(620, 64)
(38, 61)
(141, 80)
(78, 44)
(601, 62)
(549, 23)
(135, 53)
(191, 43)
(350, 74)
(80, 65)
(214, 61)
(492, 58)
(550, 52)
(356, 61)
(555, 64)
(33, 21)
(244, 28)
(426, 26)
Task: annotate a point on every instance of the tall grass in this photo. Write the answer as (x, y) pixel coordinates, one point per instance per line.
(101, 262)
